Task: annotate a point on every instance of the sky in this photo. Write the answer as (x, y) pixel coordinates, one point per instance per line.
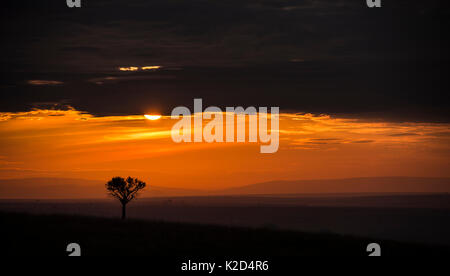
(73, 144)
(362, 92)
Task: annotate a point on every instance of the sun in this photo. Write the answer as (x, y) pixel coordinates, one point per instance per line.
(152, 117)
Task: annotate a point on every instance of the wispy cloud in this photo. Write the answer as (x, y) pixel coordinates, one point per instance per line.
(116, 79)
(45, 82)
(143, 68)
(129, 69)
(155, 67)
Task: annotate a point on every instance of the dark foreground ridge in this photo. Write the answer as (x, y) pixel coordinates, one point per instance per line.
(42, 235)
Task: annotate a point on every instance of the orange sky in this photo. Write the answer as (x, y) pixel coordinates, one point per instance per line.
(72, 144)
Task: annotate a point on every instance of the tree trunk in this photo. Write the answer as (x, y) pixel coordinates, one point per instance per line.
(124, 211)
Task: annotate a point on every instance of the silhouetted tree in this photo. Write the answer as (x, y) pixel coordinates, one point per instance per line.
(125, 190)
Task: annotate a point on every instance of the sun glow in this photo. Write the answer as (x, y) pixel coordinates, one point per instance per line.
(152, 117)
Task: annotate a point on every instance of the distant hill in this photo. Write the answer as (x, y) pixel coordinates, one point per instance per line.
(67, 188)
(350, 185)
(51, 188)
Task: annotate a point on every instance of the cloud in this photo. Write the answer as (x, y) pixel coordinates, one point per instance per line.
(362, 141)
(441, 134)
(403, 134)
(117, 79)
(85, 49)
(304, 56)
(152, 67)
(129, 69)
(45, 82)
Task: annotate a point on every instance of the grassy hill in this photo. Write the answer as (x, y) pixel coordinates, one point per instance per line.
(49, 235)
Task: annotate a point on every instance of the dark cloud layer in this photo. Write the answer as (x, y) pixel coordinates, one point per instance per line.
(321, 56)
